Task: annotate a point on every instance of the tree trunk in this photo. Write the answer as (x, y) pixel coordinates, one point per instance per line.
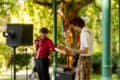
(70, 8)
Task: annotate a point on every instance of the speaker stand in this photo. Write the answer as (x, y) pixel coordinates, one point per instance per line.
(26, 64)
(14, 61)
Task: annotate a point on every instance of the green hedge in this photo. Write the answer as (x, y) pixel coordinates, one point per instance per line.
(97, 62)
(22, 60)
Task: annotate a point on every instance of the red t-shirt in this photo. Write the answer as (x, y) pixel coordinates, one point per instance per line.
(43, 47)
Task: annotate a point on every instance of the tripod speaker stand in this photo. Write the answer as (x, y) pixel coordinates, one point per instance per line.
(18, 35)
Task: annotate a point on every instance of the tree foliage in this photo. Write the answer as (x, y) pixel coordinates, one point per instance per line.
(70, 8)
(27, 11)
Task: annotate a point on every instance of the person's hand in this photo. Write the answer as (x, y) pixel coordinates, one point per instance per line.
(61, 46)
(68, 49)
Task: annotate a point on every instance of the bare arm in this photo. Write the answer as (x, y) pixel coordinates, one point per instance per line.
(78, 51)
(60, 51)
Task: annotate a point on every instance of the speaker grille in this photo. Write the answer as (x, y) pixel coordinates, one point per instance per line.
(64, 75)
(23, 34)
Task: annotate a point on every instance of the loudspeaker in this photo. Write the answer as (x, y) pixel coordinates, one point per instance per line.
(19, 34)
(67, 75)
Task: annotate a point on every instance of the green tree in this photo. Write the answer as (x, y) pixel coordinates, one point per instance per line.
(39, 13)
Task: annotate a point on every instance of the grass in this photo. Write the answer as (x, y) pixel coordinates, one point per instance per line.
(98, 77)
(4, 76)
(94, 76)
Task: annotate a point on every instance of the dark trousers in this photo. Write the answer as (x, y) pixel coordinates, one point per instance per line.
(43, 68)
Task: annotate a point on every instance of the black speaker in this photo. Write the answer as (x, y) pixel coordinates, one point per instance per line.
(67, 75)
(19, 34)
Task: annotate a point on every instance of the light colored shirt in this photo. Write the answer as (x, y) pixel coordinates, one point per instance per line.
(86, 41)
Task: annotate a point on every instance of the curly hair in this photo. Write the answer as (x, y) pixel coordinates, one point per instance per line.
(77, 21)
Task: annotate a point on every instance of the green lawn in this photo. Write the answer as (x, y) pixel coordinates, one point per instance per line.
(94, 76)
(4, 76)
(98, 77)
